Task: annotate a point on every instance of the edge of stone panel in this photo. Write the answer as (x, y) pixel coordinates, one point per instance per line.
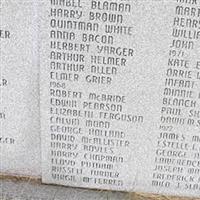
(17, 178)
(143, 196)
(130, 196)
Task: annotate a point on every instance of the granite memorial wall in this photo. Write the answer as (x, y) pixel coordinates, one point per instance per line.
(19, 88)
(119, 93)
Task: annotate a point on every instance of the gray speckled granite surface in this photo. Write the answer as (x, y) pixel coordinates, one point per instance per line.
(10, 190)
